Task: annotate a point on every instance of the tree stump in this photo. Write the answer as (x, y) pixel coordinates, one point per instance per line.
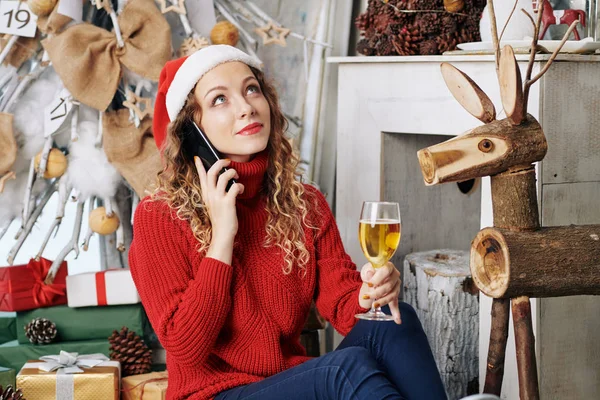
(439, 286)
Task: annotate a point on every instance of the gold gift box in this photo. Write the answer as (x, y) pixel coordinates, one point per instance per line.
(153, 385)
(97, 383)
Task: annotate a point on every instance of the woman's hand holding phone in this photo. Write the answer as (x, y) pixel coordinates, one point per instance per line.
(220, 206)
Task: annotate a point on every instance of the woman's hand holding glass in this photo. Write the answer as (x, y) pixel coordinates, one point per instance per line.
(383, 285)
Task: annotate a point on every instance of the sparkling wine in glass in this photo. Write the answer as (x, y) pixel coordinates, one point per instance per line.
(379, 234)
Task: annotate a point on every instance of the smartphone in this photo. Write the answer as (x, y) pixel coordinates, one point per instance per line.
(198, 144)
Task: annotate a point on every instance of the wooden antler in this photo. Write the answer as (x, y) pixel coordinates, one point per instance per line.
(495, 41)
(528, 80)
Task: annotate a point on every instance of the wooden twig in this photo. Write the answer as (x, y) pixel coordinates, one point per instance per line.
(529, 16)
(108, 206)
(90, 232)
(554, 54)
(534, 41)
(120, 242)
(230, 18)
(5, 227)
(98, 142)
(11, 42)
(135, 200)
(490, 5)
(73, 245)
(28, 190)
(63, 196)
(30, 222)
(44, 158)
(75, 122)
(508, 20)
(75, 195)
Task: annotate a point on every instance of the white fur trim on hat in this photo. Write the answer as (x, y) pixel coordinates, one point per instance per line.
(194, 68)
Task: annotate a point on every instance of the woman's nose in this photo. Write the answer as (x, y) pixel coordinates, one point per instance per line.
(245, 109)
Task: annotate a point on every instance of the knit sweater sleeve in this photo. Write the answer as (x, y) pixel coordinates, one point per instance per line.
(186, 296)
(338, 281)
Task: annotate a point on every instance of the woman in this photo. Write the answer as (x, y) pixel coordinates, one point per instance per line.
(227, 277)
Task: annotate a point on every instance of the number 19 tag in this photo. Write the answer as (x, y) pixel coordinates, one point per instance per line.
(17, 19)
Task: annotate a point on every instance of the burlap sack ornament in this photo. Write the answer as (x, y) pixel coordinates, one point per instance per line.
(132, 151)
(23, 49)
(88, 60)
(53, 23)
(8, 145)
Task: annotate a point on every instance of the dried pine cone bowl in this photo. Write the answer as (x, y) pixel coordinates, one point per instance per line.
(417, 27)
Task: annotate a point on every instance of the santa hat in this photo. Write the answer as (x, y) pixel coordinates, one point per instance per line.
(178, 78)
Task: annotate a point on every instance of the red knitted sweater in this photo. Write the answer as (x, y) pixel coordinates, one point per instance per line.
(228, 325)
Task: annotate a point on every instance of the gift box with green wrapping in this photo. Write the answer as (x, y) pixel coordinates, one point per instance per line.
(7, 377)
(14, 355)
(8, 330)
(88, 323)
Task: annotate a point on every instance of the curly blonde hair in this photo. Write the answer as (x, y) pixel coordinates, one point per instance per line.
(286, 198)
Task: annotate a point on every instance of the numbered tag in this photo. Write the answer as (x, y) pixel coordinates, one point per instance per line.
(56, 112)
(17, 19)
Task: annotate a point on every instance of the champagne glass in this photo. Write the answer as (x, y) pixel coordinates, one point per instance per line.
(379, 235)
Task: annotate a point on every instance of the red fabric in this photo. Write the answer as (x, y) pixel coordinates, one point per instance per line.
(228, 325)
(101, 288)
(161, 119)
(22, 287)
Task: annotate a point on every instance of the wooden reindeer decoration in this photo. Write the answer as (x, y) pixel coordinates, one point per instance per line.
(516, 259)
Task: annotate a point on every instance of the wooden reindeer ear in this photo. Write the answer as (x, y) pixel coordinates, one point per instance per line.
(468, 94)
(511, 87)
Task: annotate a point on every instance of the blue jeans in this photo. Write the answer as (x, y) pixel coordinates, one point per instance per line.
(377, 360)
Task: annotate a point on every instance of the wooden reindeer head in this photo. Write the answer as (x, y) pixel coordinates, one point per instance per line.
(494, 147)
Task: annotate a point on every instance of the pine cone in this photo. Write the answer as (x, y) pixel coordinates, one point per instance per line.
(406, 42)
(131, 351)
(41, 331)
(446, 43)
(429, 24)
(428, 48)
(10, 394)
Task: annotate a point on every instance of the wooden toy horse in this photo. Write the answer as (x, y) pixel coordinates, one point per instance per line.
(550, 17)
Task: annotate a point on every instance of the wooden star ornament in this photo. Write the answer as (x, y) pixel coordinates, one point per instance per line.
(179, 8)
(134, 102)
(273, 34)
(191, 45)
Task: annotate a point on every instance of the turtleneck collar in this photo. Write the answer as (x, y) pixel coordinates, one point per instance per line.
(251, 174)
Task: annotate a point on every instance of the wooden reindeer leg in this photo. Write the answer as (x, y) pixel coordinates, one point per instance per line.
(511, 91)
(468, 93)
(525, 347)
(497, 350)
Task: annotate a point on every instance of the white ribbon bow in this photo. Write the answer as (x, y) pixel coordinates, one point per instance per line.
(69, 363)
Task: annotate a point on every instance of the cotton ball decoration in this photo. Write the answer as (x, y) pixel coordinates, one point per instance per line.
(89, 170)
(519, 26)
(101, 223)
(224, 32)
(29, 116)
(56, 166)
(41, 8)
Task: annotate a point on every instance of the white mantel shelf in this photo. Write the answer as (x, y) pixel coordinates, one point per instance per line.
(454, 58)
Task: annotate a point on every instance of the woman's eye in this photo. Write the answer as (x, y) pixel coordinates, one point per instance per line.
(218, 100)
(253, 89)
